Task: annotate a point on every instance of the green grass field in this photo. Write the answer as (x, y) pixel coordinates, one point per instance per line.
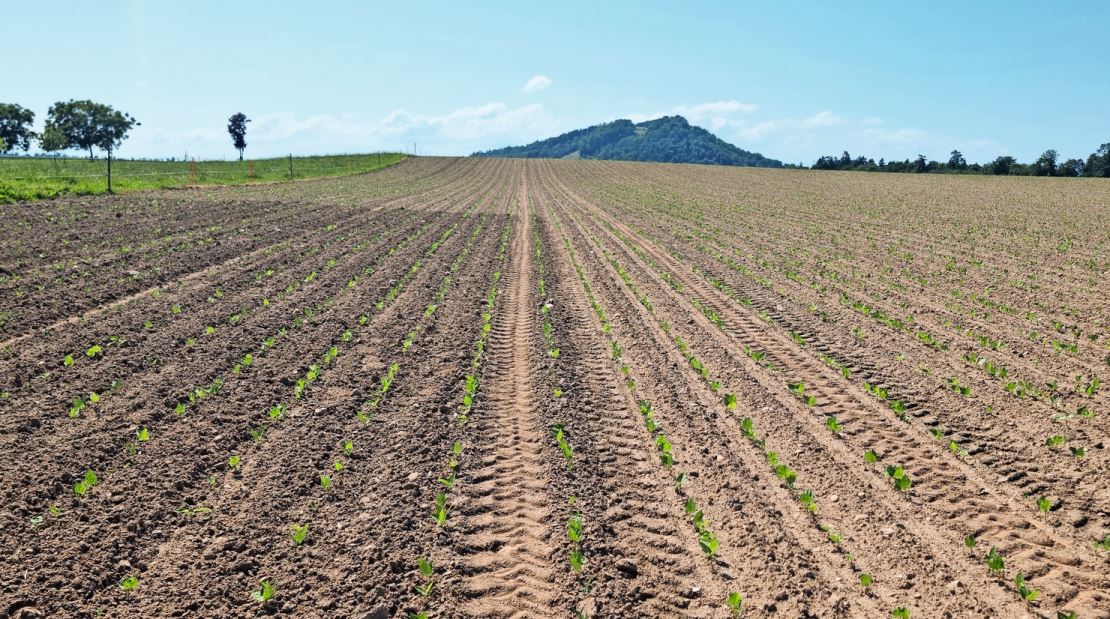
(27, 178)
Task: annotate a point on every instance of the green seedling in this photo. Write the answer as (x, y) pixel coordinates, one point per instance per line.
(143, 435)
(564, 447)
(67, 360)
(1027, 593)
(87, 483)
(865, 580)
(577, 559)
(1078, 452)
(93, 351)
(664, 445)
(439, 513)
(900, 612)
(734, 602)
(898, 475)
(730, 401)
(129, 583)
(970, 541)
(995, 561)
(833, 424)
(348, 447)
(325, 482)
(76, 407)
(806, 499)
(300, 533)
(265, 591)
(870, 456)
(1044, 505)
(574, 528)
(233, 462)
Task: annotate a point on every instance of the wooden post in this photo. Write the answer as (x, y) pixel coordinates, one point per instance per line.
(109, 170)
(290, 165)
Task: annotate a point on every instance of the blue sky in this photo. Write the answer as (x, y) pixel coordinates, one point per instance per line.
(790, 80)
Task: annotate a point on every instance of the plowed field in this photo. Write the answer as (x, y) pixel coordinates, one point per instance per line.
(527, 388)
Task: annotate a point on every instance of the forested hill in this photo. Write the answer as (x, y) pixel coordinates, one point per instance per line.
(669, 139)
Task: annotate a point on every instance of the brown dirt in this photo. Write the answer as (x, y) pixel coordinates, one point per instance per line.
(610, 290)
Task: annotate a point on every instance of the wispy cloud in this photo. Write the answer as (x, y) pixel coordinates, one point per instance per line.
(827, 132)
(714, 115)
(456, 132)
(538, 82)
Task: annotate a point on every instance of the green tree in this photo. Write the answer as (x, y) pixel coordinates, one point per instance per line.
(1073, 168)
(1046, 164)
(15, 127)
(1002, 165)
(957, 161)
(237, 127)
(87, 125)
(52, 139)
(1098, 164)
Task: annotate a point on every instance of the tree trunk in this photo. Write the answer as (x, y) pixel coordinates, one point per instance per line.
(109, 170)
(240, 154)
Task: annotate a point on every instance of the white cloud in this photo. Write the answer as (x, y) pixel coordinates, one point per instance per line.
(828, 133)
(715, 114)
(824, 119)
(538, 82)
(456, 132)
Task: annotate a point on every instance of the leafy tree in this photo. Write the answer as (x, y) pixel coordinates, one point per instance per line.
(1073, 167)
(1046, 164)
(237, 127)
(1098, 164)
(86, 125)
(921, 164)
(52, 139)
(957, 161)
(1002, 165)
(15, 127)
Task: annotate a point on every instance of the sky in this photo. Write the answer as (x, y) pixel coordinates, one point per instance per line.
(791, 80)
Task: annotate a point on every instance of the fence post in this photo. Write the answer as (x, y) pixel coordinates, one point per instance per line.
(290, 166)
(109, 170)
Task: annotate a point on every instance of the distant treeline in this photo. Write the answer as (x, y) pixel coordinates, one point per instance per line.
(1048, 164)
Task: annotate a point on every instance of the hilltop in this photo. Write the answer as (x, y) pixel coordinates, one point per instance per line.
(670, 139)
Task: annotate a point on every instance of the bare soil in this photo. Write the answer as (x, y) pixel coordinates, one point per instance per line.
(562, 388)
